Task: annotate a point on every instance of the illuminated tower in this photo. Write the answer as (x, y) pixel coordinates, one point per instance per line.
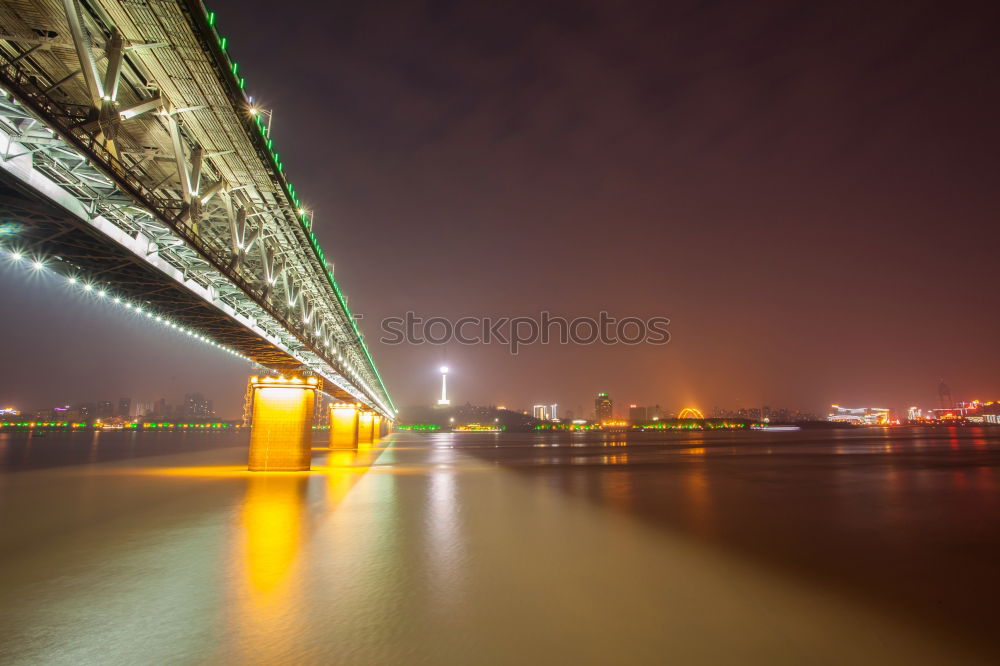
(444, 387)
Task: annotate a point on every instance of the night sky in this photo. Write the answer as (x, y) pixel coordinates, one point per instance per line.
(808, 190)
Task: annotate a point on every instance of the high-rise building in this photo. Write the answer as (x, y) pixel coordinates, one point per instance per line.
(540, 412)
(105, 409)
(196, 407)
(637, 414)
(141, 409)
(603, 408)
(162, 409)
(554, 411)
(125, 408)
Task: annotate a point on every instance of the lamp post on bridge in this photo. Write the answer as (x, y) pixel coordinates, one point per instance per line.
(267, 113)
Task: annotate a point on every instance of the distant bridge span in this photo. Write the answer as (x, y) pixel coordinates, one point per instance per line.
(132, 158)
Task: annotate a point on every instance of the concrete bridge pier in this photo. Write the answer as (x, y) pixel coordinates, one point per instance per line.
(281, 430)
(366, 422)
(343, 426)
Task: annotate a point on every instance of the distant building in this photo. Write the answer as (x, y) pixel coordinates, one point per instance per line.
(859, 415)
(540, 412)
(105, 409)
(87, 411)
(554, 411)
(125, 408)
(196, 407)
(637, 414)
(971, 411)
(162, 409)
(141, 409)
(65, 414)
(603, 408)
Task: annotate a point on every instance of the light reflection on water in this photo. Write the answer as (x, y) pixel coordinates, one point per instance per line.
(277, 522)
(269, 539)
(272, 523)
(441, 548)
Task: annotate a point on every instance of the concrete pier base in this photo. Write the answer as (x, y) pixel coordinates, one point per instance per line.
(281, 432)
(343, 426)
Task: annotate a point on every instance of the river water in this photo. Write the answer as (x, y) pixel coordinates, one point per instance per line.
(814, 547)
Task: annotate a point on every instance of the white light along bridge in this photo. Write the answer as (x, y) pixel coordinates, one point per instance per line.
(133, 158)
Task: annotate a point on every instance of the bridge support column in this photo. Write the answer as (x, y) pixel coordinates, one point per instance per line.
(366, 419)
(343, 426)
(281, 431)
(376, 427)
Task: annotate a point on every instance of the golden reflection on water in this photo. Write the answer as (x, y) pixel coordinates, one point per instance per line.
(697, 496)
(270, 531)
(94, 445)
(343, 469)
(272, 525)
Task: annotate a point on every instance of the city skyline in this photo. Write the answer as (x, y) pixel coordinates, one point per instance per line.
(108, 371)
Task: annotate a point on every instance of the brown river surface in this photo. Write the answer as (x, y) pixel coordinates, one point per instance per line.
(865, 546)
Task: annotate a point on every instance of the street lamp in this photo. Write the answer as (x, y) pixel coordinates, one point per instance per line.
(257, 111)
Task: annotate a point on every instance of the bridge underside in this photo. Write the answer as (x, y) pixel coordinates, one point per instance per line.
(81, 249)
(131, 151)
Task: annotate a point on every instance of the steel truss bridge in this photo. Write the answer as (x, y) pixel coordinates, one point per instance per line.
(130, 155)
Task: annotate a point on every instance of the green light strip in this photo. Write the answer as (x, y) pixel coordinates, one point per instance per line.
(210, 17)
